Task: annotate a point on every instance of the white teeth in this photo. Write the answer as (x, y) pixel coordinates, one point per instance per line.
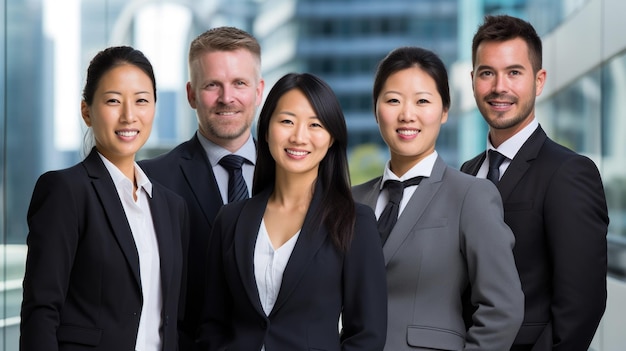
(407, 132)
(127, 133)
(226, 113)
(500, 104)
(297, 153)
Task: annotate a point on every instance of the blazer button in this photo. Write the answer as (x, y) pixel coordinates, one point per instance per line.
(264, 324)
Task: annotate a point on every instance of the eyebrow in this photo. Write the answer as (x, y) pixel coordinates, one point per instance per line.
(289, 113)
(119, 93)
(515, 66)
(399, 93)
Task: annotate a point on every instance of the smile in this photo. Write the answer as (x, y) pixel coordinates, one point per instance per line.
(500, 104)
(127, 133)
(297, 153)
(227, 113)
(407, 132)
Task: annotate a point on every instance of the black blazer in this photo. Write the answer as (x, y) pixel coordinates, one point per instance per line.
(554, 202)
(186, 171)
(82, 289)
(319, 283)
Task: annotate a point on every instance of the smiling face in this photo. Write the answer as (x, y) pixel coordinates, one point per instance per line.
(121, 113)
(409, 112)
(225, 89)
(505, 87)
(296, 138)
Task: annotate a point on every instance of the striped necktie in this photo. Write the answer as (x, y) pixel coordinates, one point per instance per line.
(237, 188)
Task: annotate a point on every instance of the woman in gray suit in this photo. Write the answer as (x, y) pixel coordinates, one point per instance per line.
(443, 232)
(104, 263)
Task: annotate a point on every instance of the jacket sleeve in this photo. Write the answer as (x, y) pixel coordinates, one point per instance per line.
(364, 317)
(576, 223)
(496, 292)
(53, 221)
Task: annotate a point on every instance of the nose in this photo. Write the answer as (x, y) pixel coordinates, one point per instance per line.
(407, 113)
(128, 113)
(226, 94)
(500, 84)
(299, 134)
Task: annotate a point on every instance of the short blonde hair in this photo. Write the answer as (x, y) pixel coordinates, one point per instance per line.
(224, 39)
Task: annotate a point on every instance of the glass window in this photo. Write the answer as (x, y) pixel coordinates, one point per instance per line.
(47, 47)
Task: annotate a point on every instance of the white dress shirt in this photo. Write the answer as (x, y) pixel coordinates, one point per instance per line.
(269, 266)
(423, 168)
(509, 148)
(215, 153)
(139, 218)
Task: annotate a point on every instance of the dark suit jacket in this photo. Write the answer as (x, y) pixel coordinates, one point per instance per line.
(186, 171)
(451, 235)
(318, 284)
(554, 202)
(82, 289)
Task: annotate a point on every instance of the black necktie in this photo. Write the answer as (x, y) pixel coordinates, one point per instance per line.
(237, 189)
(388, 218)
(495, 160)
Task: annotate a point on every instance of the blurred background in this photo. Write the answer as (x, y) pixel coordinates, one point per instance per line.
(47, 45)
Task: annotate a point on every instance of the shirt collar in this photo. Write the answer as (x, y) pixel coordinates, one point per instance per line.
(119, 178)
(511, 146)
(422, 168)
(215, 152)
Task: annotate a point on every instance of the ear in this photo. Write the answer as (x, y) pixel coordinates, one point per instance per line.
(191, 96)
(259, 92)
(85, 113)
(540, 81)
(444, 116)
(472, 79)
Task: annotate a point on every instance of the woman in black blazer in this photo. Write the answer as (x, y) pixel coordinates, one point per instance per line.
(104, 263)
(286, 263)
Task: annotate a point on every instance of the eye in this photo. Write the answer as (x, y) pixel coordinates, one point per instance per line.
(422, 101)
(317, 125)
(143, 101)
(112, 101)
(393, 101)
(286, 121)
(485, 73)
(241, 83)
(515, 73)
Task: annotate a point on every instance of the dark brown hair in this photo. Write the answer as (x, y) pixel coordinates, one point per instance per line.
(503, 28)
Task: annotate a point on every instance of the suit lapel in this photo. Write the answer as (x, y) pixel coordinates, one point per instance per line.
(104, 187)
(473, 166)
(414, 209)
(521, 162)
(371, 196)
(201, 179)
(312, 236)
(162, 220)
(246, 232)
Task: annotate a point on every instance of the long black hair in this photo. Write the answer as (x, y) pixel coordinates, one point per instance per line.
(337, 210)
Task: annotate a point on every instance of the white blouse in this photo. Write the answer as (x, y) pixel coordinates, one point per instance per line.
(141, 225)
(269, 266)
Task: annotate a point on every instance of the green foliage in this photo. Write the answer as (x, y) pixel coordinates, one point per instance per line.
(366, 162)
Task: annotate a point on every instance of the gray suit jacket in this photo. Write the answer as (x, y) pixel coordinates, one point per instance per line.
(451, 237)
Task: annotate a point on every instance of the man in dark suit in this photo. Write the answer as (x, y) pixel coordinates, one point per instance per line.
(225, 88)
(553, 197)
